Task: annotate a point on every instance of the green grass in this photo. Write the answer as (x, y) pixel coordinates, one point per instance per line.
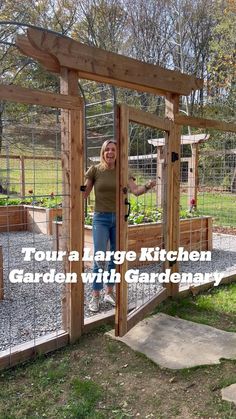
(85, 395)
(99, 378)
(43, 177)
(220, 206)
(41, 385)
(216, 308)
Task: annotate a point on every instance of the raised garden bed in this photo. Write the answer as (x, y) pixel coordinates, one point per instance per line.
(28, 217)
(39, 219)
(195, 234)
(12, 218)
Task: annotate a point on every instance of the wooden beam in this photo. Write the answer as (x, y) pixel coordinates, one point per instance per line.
(205, 123)
(76, 213)
(185, 139)
(196, 289)
(37, 97)
(108, 67)
(100, 319)
(65, 230)
(73, 204)
(47, 60)
(148, 119)
(121, 224)
(39, 346)
(172, 152)
(209, 240)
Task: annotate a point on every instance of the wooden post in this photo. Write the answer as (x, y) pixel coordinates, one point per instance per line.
(22, 176)
(73, 203)
(1, 275)
(193, 175)
(122, 225)
(172, 188)
(209, 233)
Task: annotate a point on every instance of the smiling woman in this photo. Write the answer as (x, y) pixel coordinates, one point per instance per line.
(103, 178)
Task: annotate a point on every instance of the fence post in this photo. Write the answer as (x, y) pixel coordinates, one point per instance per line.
(22, 176)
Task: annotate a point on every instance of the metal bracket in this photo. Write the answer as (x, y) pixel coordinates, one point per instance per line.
(129, 206)
(172, 263)
(174, 156)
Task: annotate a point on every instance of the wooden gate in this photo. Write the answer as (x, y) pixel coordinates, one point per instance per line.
(125, 320)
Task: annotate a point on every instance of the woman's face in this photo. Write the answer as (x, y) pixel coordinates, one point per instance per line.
(110, 154)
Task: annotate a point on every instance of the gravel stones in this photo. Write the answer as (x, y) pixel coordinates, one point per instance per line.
(32, 310)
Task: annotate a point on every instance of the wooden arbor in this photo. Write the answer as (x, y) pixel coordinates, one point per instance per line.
(71, 61)
(194, 140)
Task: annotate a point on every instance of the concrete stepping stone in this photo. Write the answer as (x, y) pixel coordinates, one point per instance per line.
(175, 343)
(229, 393)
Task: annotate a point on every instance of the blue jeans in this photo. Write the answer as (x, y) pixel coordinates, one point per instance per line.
(104, 232)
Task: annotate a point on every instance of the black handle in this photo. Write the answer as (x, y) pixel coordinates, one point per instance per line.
(127, 203)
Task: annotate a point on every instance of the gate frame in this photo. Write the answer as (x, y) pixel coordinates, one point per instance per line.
(126, 114)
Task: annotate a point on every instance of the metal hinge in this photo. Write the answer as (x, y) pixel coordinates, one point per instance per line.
(174, 156)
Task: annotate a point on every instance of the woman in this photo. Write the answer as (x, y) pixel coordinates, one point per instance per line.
(103, 178)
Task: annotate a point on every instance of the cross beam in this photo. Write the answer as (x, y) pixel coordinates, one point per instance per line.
(55, 51)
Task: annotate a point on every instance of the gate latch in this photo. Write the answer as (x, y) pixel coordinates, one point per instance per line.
(127, 203)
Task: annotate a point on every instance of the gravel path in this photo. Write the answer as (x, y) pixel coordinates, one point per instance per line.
(33, 310)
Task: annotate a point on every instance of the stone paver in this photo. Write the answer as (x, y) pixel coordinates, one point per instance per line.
(229, 393)
(176, 343)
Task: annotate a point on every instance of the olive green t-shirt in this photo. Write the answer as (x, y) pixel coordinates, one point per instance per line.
(104, 182)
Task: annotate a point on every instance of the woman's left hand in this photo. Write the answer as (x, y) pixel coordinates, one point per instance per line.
(150, 184)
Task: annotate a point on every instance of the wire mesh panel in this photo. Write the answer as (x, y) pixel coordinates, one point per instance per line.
(145, 230)
(31, 199)
(208, 198)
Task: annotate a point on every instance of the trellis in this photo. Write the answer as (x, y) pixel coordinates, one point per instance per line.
(72, 60)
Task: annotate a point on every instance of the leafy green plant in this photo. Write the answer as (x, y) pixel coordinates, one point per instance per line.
(88, 219)
(140, 214)
(52, 202)
(183, 213)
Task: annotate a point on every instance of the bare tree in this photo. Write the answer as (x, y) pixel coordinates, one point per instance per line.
(101, 24)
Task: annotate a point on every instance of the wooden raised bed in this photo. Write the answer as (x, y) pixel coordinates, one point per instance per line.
(39, 220)
(195, 234)
(27, 217)
(12, 218)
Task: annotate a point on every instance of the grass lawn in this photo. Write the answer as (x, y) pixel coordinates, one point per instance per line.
(41, 176)
(102, 378)
(44, 177)
(220, 206)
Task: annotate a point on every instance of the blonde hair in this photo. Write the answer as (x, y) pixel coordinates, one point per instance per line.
(103, 163)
